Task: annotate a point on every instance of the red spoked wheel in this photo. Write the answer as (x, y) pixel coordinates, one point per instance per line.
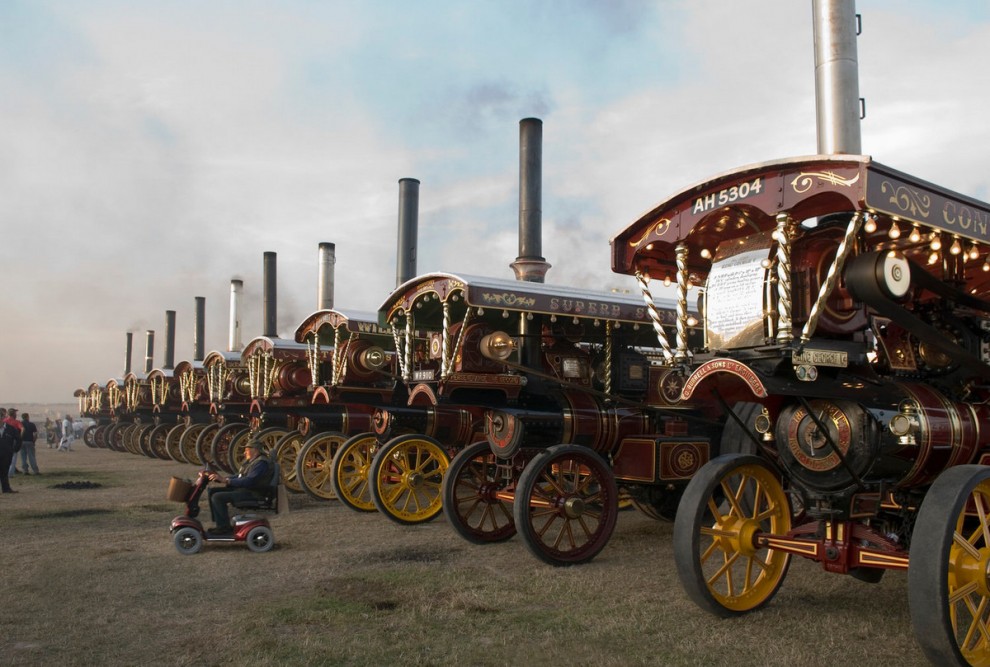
(470, 500)
(566, 505)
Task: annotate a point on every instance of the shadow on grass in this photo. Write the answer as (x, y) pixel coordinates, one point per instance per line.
(64, 514)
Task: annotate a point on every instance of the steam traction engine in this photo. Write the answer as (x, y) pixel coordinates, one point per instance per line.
(845, 319)
(561, 375)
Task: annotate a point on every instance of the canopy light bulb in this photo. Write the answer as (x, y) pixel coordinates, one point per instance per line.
(706, 253)
(915, 235)
(666, 280)
(936, 243)
(955, 248)
(895, 231)
(932, 258)
(871, 225)
(974, 252)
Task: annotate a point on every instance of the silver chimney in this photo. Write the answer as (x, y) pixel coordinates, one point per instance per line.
(837, 102)
(530, 264)
(324, 290)
(199, 329)
(149, 352)
(270, 328)
(169, 339)
(236, 290)
(405, 258)
(127, 357)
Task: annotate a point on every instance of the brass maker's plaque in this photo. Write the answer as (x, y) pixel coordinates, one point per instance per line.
(833, 358)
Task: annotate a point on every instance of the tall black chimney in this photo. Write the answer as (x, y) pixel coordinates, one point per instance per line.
(199, 329)
(271, 297)
(530, 264)
(405, 260)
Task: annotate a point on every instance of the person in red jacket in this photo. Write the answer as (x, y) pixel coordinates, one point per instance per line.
(10, 442)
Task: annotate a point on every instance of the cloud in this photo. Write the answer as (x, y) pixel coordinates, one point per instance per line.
(155, 151)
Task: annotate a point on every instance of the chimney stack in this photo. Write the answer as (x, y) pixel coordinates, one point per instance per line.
(324, 294)
(837, 102)
(405, 259)
(270, 324)
(530, 264)
(169, 339)
(127, 357)
(199, 329)
(234, 340)
(149, 353)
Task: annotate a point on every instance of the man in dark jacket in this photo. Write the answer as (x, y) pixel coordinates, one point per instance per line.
(252, 481)
(29, 435)
(10, 442)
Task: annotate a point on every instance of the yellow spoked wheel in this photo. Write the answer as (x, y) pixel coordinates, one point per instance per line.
(470, 496)
(349, 472)
(173, 443)
(204, 443)
(731, 500)
(406, 477)
(187, 443)
(133, 438)
(949, 570)
(156, 441)
(285, 452)
(314, 465)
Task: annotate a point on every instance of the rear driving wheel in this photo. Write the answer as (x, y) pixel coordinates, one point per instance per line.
(349, 472)
(204, 443)
(314, 465)
(285, 452)
(220, 446)
(405, 477)
(566, 504)
(729, 502)
(173, 443)
(156, 441)
(89, 436)
(470, 496)
(268, 437)
(949, 569)
(187, 443)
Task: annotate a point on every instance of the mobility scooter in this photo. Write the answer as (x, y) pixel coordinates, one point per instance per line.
(188, 533)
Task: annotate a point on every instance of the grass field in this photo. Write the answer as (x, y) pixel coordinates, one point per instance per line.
(92, 578)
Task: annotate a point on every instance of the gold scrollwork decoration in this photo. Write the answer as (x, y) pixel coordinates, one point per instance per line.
(509, 299)
(803, 181)
(907, 200)
(659, 229)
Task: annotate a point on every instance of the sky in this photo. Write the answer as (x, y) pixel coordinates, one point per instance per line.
(150, 152)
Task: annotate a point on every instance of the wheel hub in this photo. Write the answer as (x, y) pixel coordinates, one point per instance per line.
(414, 480)
(574, 507)
(736, 535)
(966, 569)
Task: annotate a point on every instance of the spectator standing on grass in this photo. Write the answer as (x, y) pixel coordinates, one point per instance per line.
(49, 431)
(13, 460)
(10, 442)
(29, 436)
(65, 444)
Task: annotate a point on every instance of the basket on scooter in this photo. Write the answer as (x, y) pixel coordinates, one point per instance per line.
(179, 490)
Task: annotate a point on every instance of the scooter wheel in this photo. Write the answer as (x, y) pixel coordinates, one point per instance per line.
(188, 541)
(260, 538)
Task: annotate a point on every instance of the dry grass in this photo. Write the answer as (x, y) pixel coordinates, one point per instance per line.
(91, 577)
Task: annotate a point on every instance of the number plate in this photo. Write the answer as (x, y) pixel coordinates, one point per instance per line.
(821, 358)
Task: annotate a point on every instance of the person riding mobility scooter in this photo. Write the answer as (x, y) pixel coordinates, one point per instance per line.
(256, 486)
